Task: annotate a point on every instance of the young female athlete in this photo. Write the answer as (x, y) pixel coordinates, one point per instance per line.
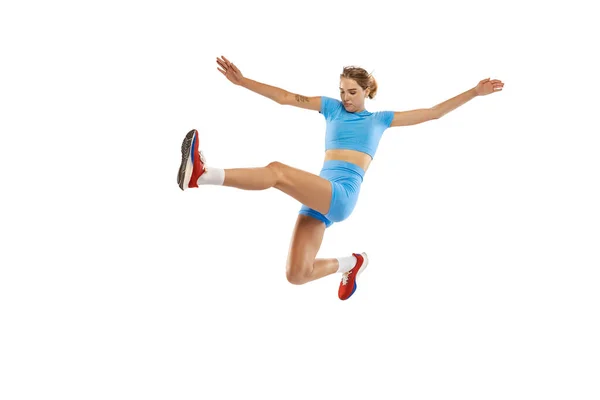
(351, 140)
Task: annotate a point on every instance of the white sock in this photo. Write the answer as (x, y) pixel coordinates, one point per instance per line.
(346, 263)
(212, 176)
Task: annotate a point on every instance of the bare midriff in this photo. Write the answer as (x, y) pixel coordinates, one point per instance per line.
(355, 157)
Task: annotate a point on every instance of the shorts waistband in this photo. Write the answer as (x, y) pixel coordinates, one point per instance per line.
(330, 164)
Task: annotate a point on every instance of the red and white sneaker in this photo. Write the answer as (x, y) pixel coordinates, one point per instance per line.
(348, 283)
(192, 161)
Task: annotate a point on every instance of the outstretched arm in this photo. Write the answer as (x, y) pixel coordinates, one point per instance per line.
(234, 75)
(274, 93)
(483, 88)
(282, 96)
(414, 117)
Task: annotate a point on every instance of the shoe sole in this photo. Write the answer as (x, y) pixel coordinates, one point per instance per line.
(186, 168)
(360, 271)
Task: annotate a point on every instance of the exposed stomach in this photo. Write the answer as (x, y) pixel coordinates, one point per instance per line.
(359, 158)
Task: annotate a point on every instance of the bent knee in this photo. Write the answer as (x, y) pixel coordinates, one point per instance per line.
(276, 165)
(297, 275)
(277, 168)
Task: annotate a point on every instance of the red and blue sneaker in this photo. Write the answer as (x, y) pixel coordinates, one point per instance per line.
(348, 283)
(192, 161)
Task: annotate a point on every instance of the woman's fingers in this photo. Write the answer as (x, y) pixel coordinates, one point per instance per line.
(224, 61)
(230, 64)
(229, 70)
(227, 65)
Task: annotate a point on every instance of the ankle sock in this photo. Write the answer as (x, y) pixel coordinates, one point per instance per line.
(346, 263)
(212, 176)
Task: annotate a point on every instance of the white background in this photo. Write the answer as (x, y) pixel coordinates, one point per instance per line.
(482, 227)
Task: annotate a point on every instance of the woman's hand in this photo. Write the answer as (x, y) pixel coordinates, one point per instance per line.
(229, 70)
(486, 87)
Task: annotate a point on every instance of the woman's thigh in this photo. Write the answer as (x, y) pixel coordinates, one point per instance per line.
(312, 190)
(343, 200)
(305, 243)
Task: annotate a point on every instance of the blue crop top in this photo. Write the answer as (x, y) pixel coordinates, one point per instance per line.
(360, 131)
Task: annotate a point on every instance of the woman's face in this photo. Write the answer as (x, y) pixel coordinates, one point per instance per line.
(352, 95)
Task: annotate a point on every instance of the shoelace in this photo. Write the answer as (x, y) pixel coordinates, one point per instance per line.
(345, 276)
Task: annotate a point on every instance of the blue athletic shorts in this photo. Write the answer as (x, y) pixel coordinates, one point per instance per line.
(345, 179)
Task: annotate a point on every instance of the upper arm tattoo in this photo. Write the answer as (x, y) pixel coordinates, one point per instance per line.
(301, 99)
